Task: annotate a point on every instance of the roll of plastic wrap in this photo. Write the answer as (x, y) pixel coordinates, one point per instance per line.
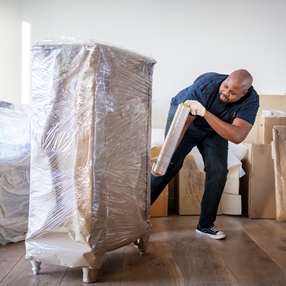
(170, 143)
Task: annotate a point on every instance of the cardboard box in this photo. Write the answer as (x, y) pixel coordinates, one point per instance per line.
(232, 182)
(257, 185)
(160, 207)
(266, 125)
(189, 188)
(279, 155)
(267, 102)
(231, 204)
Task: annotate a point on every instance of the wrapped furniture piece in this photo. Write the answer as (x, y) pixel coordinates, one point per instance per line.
(90, 150)
(14, 171)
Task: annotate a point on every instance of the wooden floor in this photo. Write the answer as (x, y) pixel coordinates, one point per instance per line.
(254, 253)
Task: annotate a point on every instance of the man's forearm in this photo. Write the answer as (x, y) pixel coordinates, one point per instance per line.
(235, 132)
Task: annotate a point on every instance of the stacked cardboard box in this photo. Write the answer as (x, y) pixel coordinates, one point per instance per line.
(279, 156)
(160, 207)
(266, 125)
(189, 188)
(258, 185)
(231, 199)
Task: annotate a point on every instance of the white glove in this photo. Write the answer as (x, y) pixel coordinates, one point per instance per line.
(196, 108)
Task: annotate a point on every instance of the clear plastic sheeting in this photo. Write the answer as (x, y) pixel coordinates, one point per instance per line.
(169, 146)
(90, 150)
(14, 171)
(273, 113)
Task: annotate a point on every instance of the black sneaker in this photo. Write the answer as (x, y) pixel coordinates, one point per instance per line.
(210, 232)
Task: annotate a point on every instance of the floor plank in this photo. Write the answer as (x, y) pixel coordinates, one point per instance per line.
(249, 263)
(10, 255)
(109, 274)
(269, 235)
(22, 274)
(195, 255)
(157, 265)
(254, 253)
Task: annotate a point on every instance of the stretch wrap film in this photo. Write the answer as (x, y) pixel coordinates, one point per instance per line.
(170, 143)
(90, 150)
(14, 171)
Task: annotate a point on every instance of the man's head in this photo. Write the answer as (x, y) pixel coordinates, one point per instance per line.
(235, 86)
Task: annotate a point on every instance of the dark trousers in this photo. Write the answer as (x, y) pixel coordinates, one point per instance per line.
(214, 150)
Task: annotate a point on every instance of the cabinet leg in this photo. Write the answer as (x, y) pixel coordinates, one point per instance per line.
(36, 266)
(142, 243)
(89, 275)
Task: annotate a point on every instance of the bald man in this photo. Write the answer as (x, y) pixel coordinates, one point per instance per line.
(222, 108)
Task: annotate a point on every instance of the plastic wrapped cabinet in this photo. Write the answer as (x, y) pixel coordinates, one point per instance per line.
(90, 150)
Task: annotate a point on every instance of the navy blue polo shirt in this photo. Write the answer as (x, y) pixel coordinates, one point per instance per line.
(205, 89)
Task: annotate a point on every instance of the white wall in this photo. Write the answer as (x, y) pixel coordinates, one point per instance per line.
(10, 51)
(186, 38)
